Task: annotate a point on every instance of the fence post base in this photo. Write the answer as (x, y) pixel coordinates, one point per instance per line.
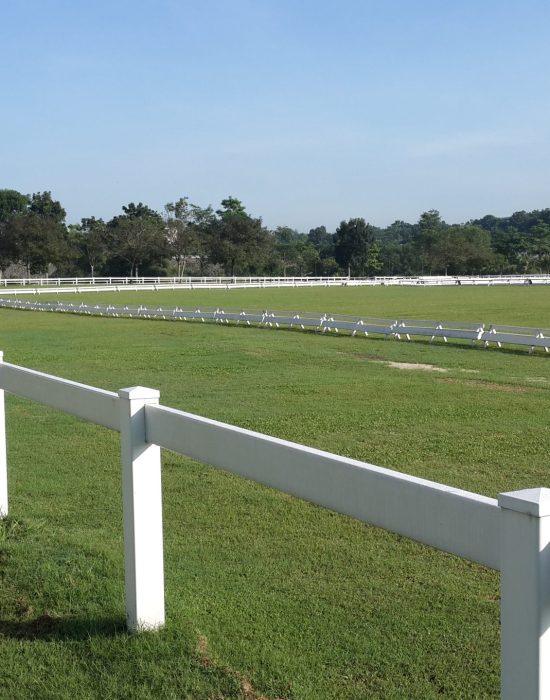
(142, 507)
(525, 594)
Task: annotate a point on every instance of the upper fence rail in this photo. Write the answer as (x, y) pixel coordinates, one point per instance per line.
(47, 285)
(435, 514)
(87, 402)
(396, 328)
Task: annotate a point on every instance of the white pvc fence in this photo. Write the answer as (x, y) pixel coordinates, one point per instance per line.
(511, 535)
(47, 285)
(395, 328)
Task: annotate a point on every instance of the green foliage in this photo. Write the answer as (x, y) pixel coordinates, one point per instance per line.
(139, 211)
(428, 241)
(12, 203)
(399, 232)
(138, 239)
(43, 206)
(355, 249)
(32, 231)
(185, 227)
(522, 240)
(320, 238)
(35, 240)
(295, 253)
(237, 241)
(189, 239)
(459, 250)
(92, 239)
(230, 206)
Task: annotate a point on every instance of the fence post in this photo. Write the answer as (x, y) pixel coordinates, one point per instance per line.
(3, 457)
(142, 507)
(525, 594)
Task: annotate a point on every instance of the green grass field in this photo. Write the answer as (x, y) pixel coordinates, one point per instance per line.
(267, 596)
(528, 306)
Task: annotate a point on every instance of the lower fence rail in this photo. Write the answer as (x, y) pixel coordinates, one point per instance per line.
(511, 534)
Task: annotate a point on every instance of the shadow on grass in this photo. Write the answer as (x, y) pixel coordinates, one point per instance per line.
(50, 628)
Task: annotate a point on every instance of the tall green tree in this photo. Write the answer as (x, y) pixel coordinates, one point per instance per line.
(287, 250)
(185, 225)
(323, 242)
(34, 232)
(237, 241)
(137, 241)
(92, 239)
(462, 249)
(12, 204)
(37, 242)
(355, 248)
(428, 241)
(309, 262)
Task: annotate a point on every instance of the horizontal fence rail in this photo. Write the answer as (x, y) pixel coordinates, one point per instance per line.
(437, 515)
(396, 328)
(374, 494)
(511, 534)
(45, 285)
(87, 402)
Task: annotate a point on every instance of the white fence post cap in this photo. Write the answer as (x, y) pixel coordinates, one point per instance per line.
(529, 501)
(138, 392)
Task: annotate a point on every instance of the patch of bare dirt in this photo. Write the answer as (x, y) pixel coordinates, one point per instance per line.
(416, 365)
(202, 649)
(379, 360)
(207, 661)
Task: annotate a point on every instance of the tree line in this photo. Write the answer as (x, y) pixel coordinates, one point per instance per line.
(186, 239)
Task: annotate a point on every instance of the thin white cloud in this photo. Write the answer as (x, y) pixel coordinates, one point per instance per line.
(465, 143)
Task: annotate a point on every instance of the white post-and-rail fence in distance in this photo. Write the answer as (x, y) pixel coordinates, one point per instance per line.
(395, 328)
(45, 285)
(511, 534)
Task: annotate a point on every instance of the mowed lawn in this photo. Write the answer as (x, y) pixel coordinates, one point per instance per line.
(518, 305)
(267, 596)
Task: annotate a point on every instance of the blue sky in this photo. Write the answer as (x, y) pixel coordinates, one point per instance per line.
(309, 112)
